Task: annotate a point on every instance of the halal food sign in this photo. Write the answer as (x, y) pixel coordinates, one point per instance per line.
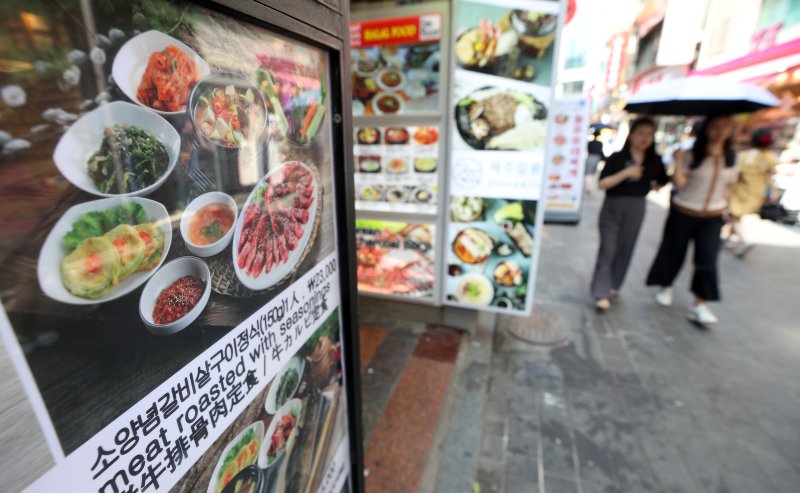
(399, 30)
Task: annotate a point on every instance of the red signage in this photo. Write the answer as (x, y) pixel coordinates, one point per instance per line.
(399, 30)
(615, 65)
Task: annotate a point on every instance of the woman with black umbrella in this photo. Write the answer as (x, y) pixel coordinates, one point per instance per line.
(704, 179)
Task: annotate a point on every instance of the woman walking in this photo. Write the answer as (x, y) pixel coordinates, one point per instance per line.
(704, 179)
(627, 178)
(756, 167)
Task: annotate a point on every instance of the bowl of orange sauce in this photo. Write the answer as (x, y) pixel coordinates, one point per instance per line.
(207, 223)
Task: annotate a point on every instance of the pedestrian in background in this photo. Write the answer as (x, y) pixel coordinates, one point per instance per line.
(627, 177)
(756, 168)
(593, 158)
(704, 179)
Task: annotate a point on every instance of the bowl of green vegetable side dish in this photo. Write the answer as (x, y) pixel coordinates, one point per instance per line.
(118, 150)
(285, 385)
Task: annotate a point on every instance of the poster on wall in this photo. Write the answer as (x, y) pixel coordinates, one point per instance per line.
(170, 286)
(504, 57)
(396, 65)
(566, 161)
(397, 168)
(395, 258)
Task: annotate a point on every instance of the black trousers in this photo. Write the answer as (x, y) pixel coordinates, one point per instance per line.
(679, 230)
(620, 221)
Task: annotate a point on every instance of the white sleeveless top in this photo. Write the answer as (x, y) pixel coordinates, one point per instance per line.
(704, 191)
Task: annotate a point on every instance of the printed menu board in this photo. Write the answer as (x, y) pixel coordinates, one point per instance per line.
(170, 289)
(504, 54)
(396, 65)
(397, 168)
(492, 245)
(395, 258)
(565, 168)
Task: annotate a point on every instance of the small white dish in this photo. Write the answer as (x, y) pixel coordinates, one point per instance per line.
(48, 269)
(389, 88)
(131, 61)
(358, 108)
(474, 282)
(359, 67)
(378, 111)
(296, 364)
(85, 137)
(258, 430)
(293, 407)
(161, 280)
(192, 209)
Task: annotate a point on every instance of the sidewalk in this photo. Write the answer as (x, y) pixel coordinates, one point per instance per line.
(640, 400)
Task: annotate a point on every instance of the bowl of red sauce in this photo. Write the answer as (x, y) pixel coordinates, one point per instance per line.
(207, 223)
(175, 296)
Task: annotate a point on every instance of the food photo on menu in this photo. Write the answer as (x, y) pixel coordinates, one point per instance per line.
(183, 190)
(505, 42)
(397, 166)
(285, 439)
(490, 244)
(493, 118)
(395, 258)
(396, 79)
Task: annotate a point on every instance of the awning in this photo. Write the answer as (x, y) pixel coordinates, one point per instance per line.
(758, 66)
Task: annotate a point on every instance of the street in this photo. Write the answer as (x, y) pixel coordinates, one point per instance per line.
(640, 399)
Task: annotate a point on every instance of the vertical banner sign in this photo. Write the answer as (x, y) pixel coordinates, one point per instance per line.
(170, 284)
(504, 72)
(566, 167)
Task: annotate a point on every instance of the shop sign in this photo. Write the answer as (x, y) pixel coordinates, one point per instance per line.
(399, 30)
(615, 66)
(567, 156)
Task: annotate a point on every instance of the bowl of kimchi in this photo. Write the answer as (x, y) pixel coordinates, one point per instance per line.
(158, 72)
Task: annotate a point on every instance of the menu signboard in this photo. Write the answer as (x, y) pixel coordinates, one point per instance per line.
(171, 292)
(504, 53)
(565, 168)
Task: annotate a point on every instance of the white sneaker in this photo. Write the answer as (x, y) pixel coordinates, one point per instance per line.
(664, 297)
(702, 315)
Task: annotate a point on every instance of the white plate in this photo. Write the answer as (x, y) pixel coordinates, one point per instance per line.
(161, 280)
(398, 87)
(487, 295)
(294, 406)
(85, 136)
(401, 105)
(131, 62)
(358, 108)
(49, 266)
(278, 272)
(258, 428)
(297, 364)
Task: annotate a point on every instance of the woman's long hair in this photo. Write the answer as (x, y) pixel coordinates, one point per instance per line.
(649, 153)
(701, 145)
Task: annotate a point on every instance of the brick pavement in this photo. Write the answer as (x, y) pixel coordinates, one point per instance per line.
(640, 400)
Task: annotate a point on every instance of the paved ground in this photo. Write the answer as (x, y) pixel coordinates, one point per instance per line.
(640, 400)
